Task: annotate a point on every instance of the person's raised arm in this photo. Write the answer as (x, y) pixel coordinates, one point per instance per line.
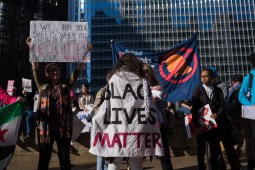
(76, 73)
(85, 58)
(30, 45)
(35, 65)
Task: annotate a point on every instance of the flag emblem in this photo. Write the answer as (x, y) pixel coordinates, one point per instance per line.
(177, 69)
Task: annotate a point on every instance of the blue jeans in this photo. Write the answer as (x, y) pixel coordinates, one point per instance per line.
(101, 164)
(29, 121)
(184, 110)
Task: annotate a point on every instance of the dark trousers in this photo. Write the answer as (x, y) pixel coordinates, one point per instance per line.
(231, 155)
(212, 137)
(165, 160)
(45, 150)
(229, 138)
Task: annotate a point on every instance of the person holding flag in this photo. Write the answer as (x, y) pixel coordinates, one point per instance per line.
(54, 115)
(10, 118)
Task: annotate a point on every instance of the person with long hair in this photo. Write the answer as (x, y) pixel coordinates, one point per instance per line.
(128, 110)
(131, 64)
(161, 106)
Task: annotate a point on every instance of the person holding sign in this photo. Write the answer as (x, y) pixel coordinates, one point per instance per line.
(54, 114)
(126, 124)
(212, 95)
(84, 99)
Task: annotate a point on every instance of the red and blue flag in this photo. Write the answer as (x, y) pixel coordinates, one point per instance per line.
(177, 69)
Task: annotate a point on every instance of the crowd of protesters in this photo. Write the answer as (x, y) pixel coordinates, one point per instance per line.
(53, 119)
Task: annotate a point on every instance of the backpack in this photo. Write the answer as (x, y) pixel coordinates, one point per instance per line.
(233, 105)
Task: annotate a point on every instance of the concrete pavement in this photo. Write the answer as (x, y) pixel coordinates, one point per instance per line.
(183, 154)
(86, 161)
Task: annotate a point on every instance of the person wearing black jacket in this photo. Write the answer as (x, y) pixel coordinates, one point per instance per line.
(228, 135)
(212, 95)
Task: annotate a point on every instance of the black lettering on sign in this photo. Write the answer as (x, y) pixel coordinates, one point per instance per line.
(109, 115)
(152, 119)
(107, 118)
(141, 117)
(139, 94)
(131, 118)
(128, 89)
(107, 93)
(112, 90)
(117, 121)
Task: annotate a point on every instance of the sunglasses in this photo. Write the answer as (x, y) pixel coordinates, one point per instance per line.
(54, 70)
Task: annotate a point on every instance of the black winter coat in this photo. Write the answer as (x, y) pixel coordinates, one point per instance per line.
(200, 99)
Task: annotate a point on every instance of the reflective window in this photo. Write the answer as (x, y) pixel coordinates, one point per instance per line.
(225, 29)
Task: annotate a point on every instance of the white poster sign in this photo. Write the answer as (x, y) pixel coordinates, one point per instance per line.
(58, 41)
(27, 85)
(10, 86)
(248, 112)
(126, 124)
(78, 126)
(205, 121)
(82, 115)
(36, 97)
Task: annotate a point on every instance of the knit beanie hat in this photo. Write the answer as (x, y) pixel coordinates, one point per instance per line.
(214, 71)
(47, 68)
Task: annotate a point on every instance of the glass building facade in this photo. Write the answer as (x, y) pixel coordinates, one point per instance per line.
(15, 16)
(225, 31)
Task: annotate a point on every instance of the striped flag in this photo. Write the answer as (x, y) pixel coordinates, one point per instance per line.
(10, 118)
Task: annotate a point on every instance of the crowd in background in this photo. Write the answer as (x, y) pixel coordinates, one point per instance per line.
(58, 102)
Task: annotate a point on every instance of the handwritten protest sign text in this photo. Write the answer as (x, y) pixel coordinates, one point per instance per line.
(58, 41)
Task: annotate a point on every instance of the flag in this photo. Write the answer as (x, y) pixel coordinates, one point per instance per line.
(10, 118)
(177, 69)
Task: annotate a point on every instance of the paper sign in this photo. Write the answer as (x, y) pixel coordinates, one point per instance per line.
(205, 120)
(82, 115)
(10, 86)
(248, 112)
(27, 85)
(58, 41)
(78, 127)
(35, 102)
(159, 94)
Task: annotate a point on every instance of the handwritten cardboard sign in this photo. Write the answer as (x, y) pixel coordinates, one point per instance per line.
(58, 41)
